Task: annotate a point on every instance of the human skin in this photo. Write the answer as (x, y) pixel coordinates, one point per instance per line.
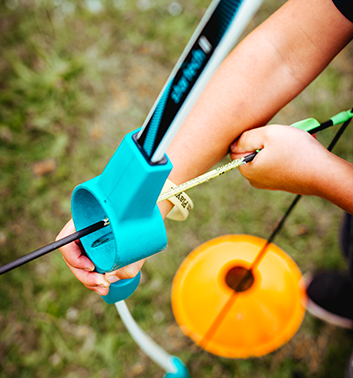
(266, 71)
(293, 161)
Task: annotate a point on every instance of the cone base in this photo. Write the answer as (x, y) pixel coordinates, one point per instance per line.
(251, 322)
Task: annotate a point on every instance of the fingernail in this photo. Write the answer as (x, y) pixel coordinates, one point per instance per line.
(90, 269)
(104, 284)
(112, 279)
(131, 271)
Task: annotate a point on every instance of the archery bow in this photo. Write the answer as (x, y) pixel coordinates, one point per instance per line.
(310, 125)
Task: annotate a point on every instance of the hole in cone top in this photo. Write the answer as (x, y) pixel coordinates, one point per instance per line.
(264, 316)
(239, 278)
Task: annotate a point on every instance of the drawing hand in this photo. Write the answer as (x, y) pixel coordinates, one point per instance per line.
(290, 159)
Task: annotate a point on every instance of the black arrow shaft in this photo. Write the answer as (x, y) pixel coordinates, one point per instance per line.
(53, 246)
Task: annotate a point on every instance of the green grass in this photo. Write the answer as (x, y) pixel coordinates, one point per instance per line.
(73, 82)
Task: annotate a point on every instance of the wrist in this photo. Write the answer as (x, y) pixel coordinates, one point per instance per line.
(335, 182)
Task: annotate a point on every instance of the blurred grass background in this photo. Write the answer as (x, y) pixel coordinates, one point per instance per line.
(76, 76)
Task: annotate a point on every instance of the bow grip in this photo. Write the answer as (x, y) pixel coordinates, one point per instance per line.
(126, 193)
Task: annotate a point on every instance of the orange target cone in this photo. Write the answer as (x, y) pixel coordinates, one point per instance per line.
(234, 311)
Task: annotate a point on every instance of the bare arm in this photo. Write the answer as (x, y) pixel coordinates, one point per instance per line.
(266, 71)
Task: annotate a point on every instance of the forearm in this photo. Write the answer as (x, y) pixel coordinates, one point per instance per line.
(266, 71)
(334, 182)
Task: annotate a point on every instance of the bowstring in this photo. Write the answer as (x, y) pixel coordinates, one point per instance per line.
(294, 202)
(221, 315)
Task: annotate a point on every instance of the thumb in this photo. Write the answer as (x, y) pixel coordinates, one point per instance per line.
(128, 271)
(247, 143)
